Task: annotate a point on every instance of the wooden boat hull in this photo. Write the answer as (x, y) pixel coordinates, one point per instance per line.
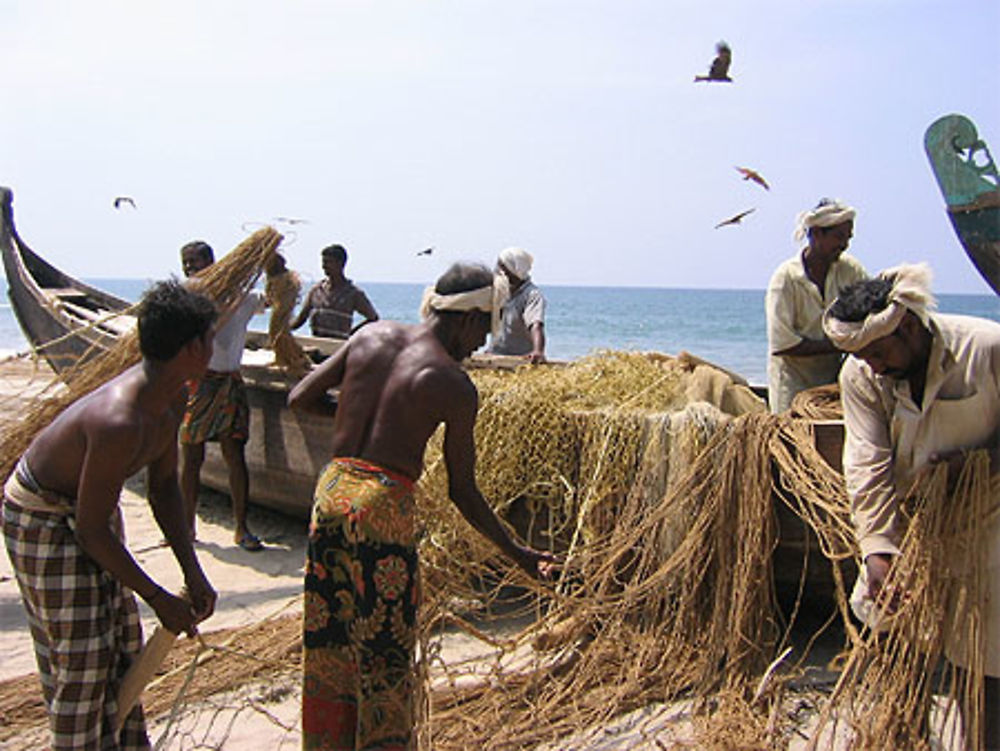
(286, 450)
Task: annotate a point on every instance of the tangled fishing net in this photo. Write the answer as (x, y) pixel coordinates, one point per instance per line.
(658, 480)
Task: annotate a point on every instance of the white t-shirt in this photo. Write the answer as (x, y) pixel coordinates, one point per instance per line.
(232, 335)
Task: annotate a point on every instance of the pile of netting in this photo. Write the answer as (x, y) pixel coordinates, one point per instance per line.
(663, 507)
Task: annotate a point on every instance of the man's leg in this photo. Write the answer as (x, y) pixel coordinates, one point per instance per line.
(239, 483)
(192, 457)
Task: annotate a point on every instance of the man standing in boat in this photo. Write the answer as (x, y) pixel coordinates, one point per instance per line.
(217, 408)
(63, 525)
(799, 354)
(330, 305)
(519, 308)
(398, 382)
(920, 388)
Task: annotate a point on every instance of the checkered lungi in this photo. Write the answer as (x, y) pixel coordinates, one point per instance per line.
(84, 623)
(216, 408)
(359, 620)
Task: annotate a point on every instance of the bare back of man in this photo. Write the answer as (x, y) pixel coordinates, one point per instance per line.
(398, 383)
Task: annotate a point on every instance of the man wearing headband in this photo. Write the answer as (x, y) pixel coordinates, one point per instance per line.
(919, 388)
(519, 310)
(799, 355)
(397, 382)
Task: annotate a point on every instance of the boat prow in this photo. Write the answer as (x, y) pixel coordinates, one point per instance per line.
(970, 183)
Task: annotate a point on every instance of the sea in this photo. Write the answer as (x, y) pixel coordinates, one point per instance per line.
(723, 326)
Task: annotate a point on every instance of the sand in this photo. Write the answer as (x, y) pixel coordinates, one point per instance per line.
(253, 587)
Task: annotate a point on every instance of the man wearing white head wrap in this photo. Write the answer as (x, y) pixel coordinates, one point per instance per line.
(519, 308)
(920, 388)
(398, 382)
(799, 355)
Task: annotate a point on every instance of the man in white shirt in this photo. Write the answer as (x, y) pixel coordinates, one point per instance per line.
(799, 355)
(519, 308)
(217, 408)
(920, 388)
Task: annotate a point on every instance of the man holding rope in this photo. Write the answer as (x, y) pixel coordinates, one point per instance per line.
(63, 527)
(921, 388)
(398, 382)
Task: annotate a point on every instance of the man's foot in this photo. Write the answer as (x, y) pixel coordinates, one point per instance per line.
(251, 542)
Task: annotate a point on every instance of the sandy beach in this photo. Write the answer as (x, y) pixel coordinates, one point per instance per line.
(254, 588)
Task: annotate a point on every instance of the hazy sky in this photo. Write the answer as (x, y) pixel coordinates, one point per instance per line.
(571, 128)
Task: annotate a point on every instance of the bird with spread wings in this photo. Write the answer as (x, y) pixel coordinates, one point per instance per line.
(719, 71)
(735, 219)
(425, 251)
(754, 175)
(123, 201)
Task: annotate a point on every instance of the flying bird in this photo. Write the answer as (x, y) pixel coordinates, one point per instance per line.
(122, 200)
(735, 219)
(425, 251)
(290, 220)
(719, 71)
(749, 174)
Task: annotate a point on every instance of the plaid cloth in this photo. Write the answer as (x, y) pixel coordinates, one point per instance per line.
(84, 623)
(216, 408)
(359, 619)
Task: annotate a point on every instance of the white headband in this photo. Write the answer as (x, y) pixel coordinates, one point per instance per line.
(829, 213)
(910, 291)
(473, 299)
(517, 260)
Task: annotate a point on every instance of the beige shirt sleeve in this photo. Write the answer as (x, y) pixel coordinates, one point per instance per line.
(868, 463)
(780, 307)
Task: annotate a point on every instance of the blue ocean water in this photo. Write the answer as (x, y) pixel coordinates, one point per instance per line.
(723, 326)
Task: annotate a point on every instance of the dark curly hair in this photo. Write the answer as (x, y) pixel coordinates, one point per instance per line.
(859, 300)
(170, 316)
(335, 251)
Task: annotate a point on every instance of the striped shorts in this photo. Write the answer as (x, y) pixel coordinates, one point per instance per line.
(85, 626)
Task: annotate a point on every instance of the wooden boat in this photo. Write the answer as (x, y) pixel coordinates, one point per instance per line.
(970, 183)
(64, 319)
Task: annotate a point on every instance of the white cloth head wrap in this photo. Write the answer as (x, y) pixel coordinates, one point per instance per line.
(911, 290)
(517, 261)
(829, 212)
(460, 302)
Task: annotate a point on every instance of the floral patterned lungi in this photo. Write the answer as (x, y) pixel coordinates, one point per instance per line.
(361, 594)
(216, 408)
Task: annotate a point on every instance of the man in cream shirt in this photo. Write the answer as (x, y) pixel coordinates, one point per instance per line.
(799, 354)
(920, 388)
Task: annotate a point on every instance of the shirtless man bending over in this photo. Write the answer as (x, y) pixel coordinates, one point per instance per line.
(63, 527)
(398, 382)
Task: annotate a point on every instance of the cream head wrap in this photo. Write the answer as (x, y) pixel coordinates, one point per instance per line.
(460, 302)
(829, 212)
(911, 290)
(517, 261)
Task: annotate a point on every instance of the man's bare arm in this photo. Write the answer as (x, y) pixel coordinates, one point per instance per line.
(110, 450)
(311, 393)
(810, 348)
(537, 343)
(460, 459)
(168, 509)
(304, 312)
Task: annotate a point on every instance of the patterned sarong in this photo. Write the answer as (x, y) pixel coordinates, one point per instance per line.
(84, 623)
(359, 624)
(216, 408)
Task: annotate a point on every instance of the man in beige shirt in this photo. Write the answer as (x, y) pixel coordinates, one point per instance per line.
(920, 388)
(799, 354)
